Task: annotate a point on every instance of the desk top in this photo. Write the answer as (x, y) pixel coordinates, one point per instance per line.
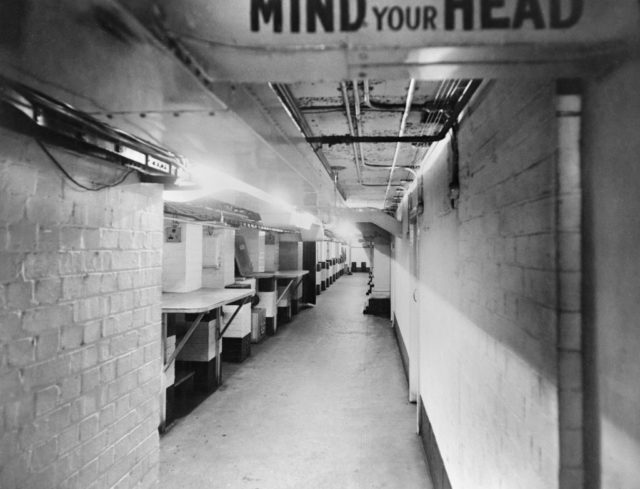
(280, 274)
(201, 300)
(262, 275)
(291, 273)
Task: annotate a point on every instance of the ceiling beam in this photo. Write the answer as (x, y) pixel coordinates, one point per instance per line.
(348, 139)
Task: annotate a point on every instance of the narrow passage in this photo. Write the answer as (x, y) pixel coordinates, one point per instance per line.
(321, 405)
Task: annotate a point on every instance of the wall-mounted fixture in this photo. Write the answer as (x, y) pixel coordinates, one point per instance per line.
(205, 181)
(49, 121)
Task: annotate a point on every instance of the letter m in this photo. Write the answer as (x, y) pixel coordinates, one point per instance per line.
(268, 9)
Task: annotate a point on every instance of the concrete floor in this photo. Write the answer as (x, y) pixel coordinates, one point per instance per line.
(323, 404)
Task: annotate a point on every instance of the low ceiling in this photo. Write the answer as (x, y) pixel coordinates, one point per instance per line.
(361, 127)
(161, 71)
(370, 164)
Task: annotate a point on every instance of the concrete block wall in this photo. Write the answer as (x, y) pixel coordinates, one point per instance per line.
(612, 278)
(80, 280)
(488, 360)
(401, 282)
(403, 306)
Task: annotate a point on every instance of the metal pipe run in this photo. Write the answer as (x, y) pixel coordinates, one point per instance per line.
(356, 103)
(403, 125)
(395, 184)
(290, 105)
(382, 107)
(345, 99)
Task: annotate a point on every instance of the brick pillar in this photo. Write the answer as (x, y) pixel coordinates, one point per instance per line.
(80, 276)
(568, 229)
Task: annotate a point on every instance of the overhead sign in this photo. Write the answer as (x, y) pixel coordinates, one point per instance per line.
(330, 16)
(288, 40)
(260, 23)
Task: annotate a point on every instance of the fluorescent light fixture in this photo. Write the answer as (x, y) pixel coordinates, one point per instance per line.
(302, 220)
(211, 181)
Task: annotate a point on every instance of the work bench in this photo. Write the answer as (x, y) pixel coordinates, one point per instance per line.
(289, 281)
(199, 303)
(268, 285)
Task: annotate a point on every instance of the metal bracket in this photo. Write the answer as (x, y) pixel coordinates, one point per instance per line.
(183, 341)
(284, 292)
(233, 316)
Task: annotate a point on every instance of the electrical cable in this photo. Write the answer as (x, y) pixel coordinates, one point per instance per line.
(97, 188)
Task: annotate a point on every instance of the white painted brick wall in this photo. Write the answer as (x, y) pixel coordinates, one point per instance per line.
(611, 252)
(488, 373)
(402, 285)
(80, 326)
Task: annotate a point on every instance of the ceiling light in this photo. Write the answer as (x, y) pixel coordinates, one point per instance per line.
(204, 181)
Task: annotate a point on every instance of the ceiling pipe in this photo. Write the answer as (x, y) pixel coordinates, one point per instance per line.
(395, 184)
(366, 92)
(356, 103)
(469, 91)
(345, 99)
(290, 106)
(403, 124)
(378, 106)
(367, 102)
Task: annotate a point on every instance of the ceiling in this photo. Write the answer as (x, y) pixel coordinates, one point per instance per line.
(286, 118)
(350, 132)
(361, 127)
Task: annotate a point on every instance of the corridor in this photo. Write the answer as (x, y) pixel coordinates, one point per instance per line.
(322, 404)
(162, 160)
